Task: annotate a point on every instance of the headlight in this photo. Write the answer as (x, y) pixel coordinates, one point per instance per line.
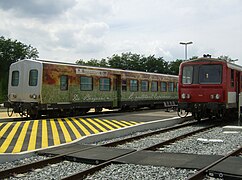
(212, 96)
(217, 96)
(188, 96)
(183, 96)
(34, 96)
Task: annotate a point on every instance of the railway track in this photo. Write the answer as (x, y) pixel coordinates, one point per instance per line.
(68, 153)
(202, 173)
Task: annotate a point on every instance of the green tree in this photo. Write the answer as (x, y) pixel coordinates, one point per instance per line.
(174, 67)
(12, 51)
(133, 61)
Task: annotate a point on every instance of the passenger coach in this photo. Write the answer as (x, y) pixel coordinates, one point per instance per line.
(209, 87)
(39, 87)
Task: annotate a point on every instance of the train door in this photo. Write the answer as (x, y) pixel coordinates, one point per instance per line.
(116, 90)
(237, 85)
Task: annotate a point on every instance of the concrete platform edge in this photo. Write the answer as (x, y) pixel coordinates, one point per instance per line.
(129, 130)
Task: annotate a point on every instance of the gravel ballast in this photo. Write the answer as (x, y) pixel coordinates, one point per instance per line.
(131, 171)
(213, 142)
(154, 139)
(8, 165)
(54, 171)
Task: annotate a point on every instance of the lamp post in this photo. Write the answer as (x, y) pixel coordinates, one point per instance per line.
(185, 44)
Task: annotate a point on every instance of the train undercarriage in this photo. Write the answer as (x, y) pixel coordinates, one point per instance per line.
(35, 110)
(204, 110)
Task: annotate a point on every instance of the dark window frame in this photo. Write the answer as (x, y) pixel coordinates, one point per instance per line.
(15, 79)
(134, 87)
(171, 88)
(124, 85)
(232, 77)
(64, 83)
(144, 85)
(187, 73)
(87, 85)
(154, 88)
(163, 82)
(103, 86)
(210, 74)
(33, 80)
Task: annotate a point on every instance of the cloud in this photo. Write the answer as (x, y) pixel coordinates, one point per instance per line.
(43, 9)
(99, 28)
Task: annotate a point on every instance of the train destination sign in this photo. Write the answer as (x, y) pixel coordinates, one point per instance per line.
(91, 72)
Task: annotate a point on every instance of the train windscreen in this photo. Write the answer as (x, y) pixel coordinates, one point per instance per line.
(202, 74)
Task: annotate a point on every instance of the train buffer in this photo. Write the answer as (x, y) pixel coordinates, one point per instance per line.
(170, 105)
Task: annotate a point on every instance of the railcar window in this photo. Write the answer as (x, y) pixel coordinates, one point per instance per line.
(163, 86)
(232, 78)
(133, 85)
(187, 75)
(171, 87)
(15, 78)
(104, 84)
(144, 86)
(64, 83)
(33, 77)
(154, 86)
(124, 85)
(210, 74)
(241, 81)
(86, 83)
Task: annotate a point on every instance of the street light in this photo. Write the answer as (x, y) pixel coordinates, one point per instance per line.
(185, 43)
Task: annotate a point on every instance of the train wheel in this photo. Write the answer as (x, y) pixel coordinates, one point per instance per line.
(197, 116)
(182, 113)
(9, 113)
(98, 109)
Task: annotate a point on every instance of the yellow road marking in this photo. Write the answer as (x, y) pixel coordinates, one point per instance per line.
(96, 124)
(44, 142)
(73, 128)
(121, 124)
(89, 125)
(113, 124)
(128, 123)
(19, 144)
(86, 132)
(9, 139)
(5, 128)
(103, 123)
(64, 130)
(1, 124)
(55, 133)
(33, 136)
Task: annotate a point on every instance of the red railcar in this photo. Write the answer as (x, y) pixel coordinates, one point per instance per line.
(209, 87)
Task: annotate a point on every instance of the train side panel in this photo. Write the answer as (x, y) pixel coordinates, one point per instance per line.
(45, 88)
(149, 90)
(61, 85)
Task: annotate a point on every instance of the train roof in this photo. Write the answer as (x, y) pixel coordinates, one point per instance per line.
(229, 64)
(41, 61)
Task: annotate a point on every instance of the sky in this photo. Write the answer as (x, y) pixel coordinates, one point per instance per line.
(69, 30)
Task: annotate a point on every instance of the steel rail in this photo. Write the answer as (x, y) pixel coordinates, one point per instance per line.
(92, 170)
(202, 173)
(52, 160)
(56, 159)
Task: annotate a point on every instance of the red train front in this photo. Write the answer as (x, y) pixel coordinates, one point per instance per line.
(209, 87)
